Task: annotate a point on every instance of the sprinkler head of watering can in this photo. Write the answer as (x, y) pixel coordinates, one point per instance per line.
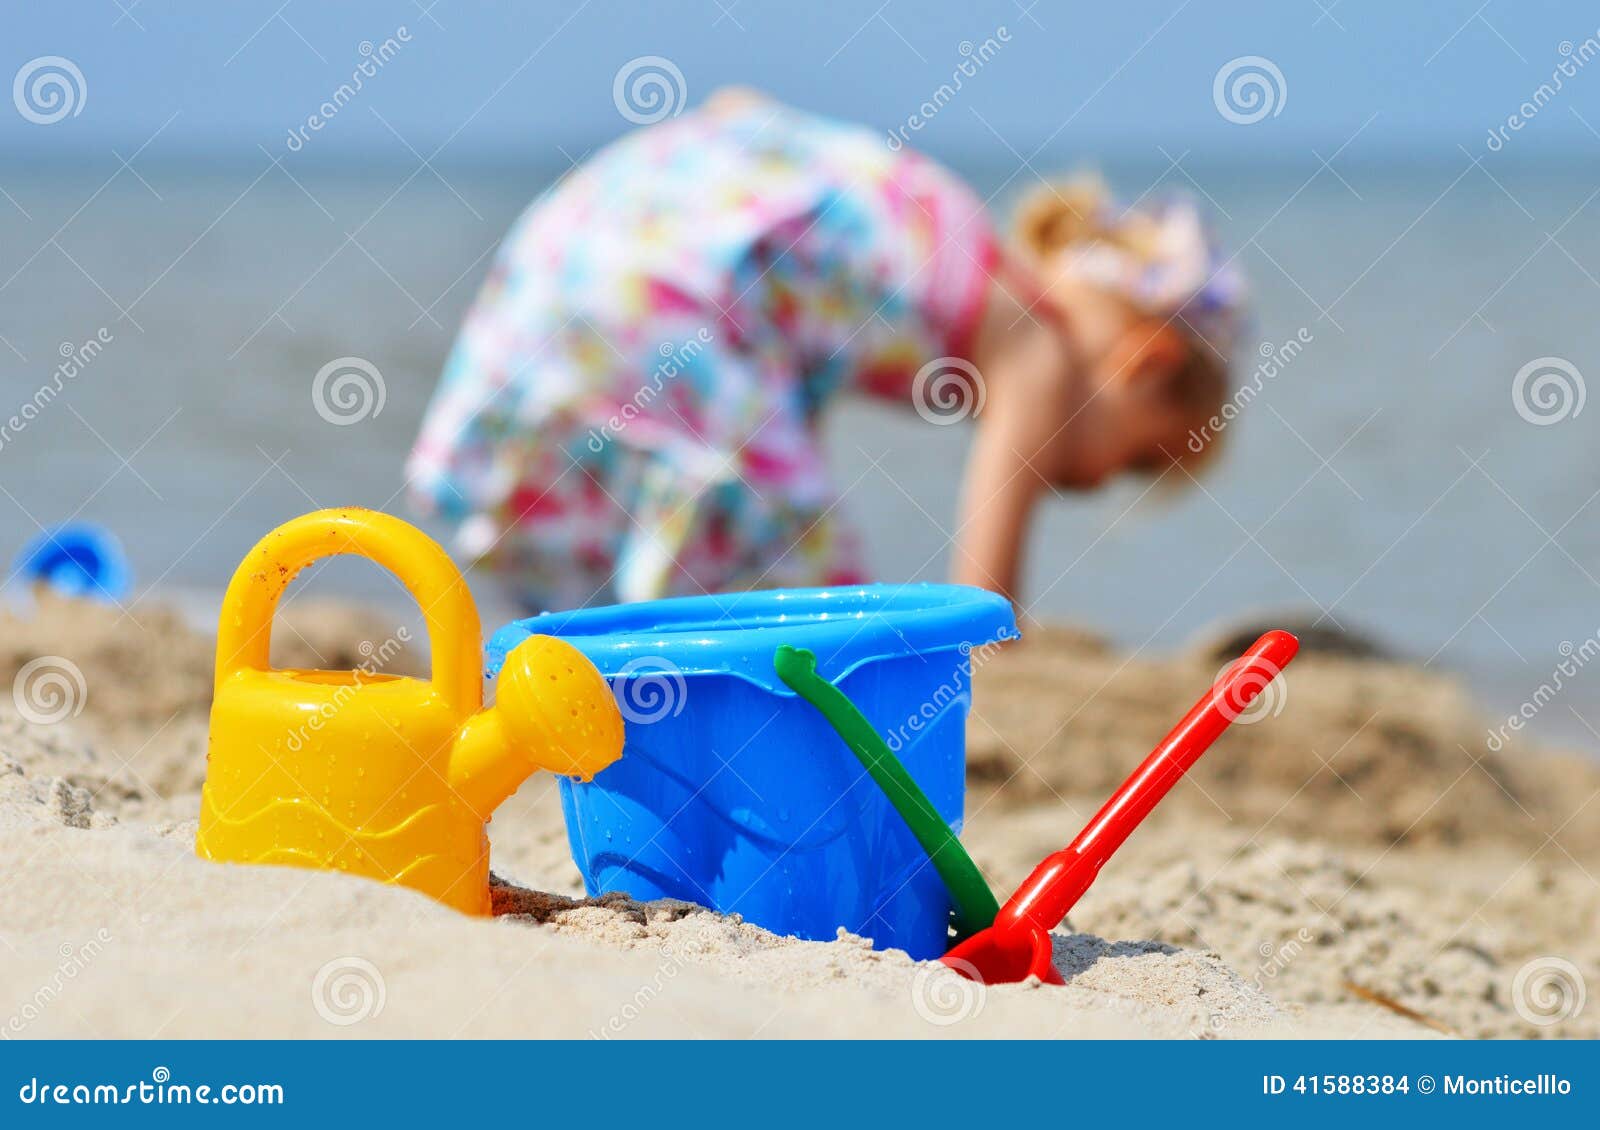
(552, 711)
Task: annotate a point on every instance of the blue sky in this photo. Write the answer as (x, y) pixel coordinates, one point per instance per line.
(513, 82)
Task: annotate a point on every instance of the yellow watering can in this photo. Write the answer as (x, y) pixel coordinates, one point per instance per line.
(379, 775)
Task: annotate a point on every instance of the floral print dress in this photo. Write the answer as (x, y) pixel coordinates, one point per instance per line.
(631, 409)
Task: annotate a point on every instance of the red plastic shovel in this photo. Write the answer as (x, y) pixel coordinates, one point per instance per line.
(1018, 944)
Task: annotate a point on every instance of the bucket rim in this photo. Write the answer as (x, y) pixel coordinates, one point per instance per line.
(737, 633)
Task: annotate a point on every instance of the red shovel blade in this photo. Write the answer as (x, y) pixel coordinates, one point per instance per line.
(1018, 944)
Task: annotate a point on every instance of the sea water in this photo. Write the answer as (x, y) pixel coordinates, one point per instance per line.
(1381, 476)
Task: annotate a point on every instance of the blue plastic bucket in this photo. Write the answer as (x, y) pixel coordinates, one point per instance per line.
(733, 793)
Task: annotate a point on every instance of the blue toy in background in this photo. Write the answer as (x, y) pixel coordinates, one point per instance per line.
(79, 559)
(733, 793)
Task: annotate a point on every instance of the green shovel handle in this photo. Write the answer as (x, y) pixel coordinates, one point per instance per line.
(975, 904)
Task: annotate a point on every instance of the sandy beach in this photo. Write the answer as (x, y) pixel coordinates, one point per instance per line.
(1359, 863)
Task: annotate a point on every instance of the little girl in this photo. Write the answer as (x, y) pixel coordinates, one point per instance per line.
(632, 408)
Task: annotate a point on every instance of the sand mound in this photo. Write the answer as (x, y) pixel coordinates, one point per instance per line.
(1307, 925)
(1271, 895)
(1193, 989)
(27, 800)
(121, 932)
(1359, 752)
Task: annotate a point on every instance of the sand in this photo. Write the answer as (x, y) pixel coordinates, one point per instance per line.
(1359, 864)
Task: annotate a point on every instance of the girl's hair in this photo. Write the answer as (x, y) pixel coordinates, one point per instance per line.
(1162, 261)
(1051, 219)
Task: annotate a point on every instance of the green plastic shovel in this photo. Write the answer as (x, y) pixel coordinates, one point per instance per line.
(975, 904)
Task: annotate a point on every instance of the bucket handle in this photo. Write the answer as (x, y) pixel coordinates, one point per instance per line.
(244, 633)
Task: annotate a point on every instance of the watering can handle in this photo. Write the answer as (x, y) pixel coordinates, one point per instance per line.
(244, 633)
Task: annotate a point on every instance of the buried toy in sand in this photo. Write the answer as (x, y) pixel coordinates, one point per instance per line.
(1011, 943)
(78, 559)
(1017, 946)
(733, 793)
(726, 786)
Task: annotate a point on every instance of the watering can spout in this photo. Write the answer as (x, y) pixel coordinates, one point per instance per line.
(553, 711)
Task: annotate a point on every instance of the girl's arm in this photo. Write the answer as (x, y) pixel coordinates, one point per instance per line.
(1020, 361)
(998, 495)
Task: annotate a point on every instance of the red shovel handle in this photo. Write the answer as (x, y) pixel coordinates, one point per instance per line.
(1060, 880)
